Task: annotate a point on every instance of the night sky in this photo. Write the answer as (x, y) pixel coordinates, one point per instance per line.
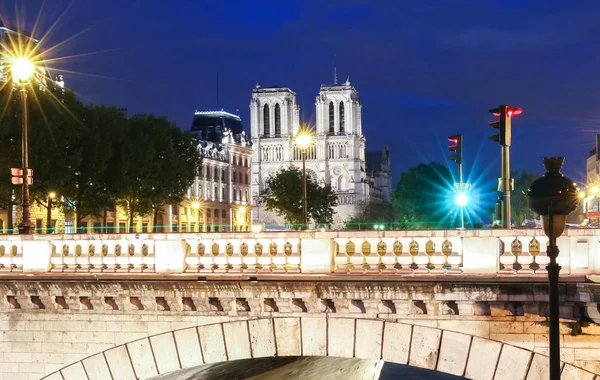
(424, 70)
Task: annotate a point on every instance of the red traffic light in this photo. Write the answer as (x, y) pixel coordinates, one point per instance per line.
(513, 111)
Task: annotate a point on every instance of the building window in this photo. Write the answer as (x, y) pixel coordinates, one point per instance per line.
(246, 178)
(174, 227)
(145, 227)
(208, 213)
(223, 193)
(122, 227)
(277, 120)
(266, 125)
(240, 178)
(331, 118)
(223, 174)
(223, 214)
(342, 118)
(216, 174)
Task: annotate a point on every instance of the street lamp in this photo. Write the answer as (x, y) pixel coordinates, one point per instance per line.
(196, 206)
(22, 70)
(303, 141)
(553, 196)
(51, 197)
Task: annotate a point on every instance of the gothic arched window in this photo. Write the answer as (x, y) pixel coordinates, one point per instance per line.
(331, 118)
(342, 119)
(277, 120)
(266, 121)
(341, 183)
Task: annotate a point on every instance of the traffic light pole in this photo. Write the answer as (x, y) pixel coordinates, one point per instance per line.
(462, 208)
(503, 125)
(506, 187)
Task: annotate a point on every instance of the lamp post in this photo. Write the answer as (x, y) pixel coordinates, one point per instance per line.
(303, 141)
(22, 70)
(594, 190)
(51, 197)
(553, 196)
(196, 206)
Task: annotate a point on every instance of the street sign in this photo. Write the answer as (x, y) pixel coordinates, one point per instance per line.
(19, 172)
(462, 187)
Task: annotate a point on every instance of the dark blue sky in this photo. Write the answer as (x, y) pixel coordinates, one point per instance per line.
(424, 70)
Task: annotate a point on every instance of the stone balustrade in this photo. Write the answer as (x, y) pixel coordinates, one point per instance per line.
(520, 252)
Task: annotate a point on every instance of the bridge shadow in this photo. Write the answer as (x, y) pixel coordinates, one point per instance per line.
(297, 368)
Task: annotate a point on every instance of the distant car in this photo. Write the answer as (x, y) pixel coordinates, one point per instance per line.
(531, 223)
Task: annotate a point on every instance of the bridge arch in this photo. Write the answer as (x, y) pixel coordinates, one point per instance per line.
(419, 346)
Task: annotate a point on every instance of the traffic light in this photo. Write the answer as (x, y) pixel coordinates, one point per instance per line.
(503, 124)
(456, 147)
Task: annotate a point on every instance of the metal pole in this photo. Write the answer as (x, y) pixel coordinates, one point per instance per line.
(553, 274)
(304, 213)
(49, 216)
(506, 217)
(462, 208)
(26, 223)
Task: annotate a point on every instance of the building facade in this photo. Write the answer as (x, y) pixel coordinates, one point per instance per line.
(337, 154)
(223, 187)
(379, 172)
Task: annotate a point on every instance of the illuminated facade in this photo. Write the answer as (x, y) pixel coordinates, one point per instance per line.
(222, 191)
(337, 155)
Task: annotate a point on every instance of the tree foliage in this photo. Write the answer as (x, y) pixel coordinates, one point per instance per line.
(92, 157)
(371, 213)
(420, 197)
(283, 195)
(518, 201)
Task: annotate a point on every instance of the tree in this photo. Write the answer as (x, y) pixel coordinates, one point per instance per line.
(283, 195)
(93, 142)
(518, 201)
(370, 213)
(420, 197)
(167, 161)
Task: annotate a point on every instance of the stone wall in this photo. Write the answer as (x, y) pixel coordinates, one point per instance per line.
(45, 326)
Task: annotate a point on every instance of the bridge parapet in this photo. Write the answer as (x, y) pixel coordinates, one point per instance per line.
(509, 253)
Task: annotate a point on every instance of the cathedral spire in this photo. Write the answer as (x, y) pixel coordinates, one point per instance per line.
(335, 80)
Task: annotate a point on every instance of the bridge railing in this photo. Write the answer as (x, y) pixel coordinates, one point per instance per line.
(377, 253)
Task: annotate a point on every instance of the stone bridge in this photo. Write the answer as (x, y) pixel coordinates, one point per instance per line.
(470, 303)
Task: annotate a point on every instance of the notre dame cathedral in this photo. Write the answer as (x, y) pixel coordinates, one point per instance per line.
(337, 155)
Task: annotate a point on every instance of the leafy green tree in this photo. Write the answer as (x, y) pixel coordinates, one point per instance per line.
(180, 164)
(420, 197)
(163, 163)
(518, 201)
(370, 213)
(87, 192)
(283, 195)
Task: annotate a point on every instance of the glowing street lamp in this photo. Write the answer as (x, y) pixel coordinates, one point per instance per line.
(22, 70)
(303, 141)
(196, 205)
(461, 199)
(51, 197)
